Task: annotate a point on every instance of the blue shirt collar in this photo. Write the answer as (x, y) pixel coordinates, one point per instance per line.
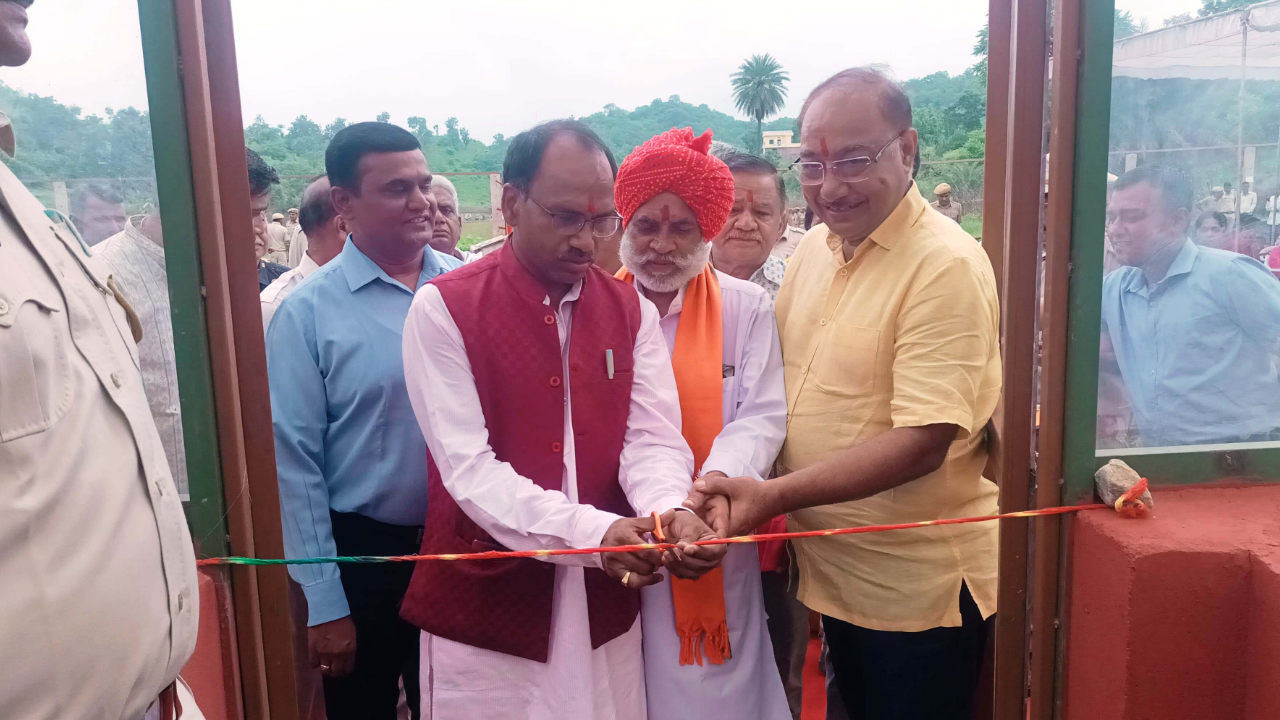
(1182, 265)
(360, 270)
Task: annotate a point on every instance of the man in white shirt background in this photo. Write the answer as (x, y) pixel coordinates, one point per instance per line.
(323, 230)
(1248, 201)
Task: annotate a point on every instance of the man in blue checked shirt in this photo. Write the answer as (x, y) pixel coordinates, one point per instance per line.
(352, 462)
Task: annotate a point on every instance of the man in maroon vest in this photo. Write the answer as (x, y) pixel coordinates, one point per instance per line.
(545, 392)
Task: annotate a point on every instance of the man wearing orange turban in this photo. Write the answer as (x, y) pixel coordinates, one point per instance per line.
(706, 643)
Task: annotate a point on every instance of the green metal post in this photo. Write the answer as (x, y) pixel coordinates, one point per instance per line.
(182, 260)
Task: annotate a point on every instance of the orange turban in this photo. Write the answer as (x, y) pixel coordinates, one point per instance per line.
(677, 162)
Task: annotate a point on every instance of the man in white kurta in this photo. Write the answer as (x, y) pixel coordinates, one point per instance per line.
(666, 253)
(755, 422)
(459, 681)
(657, 467)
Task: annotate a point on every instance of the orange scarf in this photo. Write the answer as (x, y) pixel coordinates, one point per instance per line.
(697, 360)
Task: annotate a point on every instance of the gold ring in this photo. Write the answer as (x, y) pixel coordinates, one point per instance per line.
(625, 578)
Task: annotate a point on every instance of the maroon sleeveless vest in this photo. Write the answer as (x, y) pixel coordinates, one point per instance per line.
(514, 349)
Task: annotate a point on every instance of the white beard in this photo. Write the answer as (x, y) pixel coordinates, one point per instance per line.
(687, 267)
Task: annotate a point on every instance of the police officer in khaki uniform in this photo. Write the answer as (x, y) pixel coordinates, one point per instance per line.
(97, 573)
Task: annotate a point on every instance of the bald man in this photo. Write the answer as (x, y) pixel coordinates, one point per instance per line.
(889, 325)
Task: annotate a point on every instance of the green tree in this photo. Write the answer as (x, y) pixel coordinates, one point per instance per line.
(384, 117)
(306, 137)
(1178, 19)
(418, 126)
(451, 132)
(332, 128)
(759, 91)
(465, 136)
(1126, 25)
(1213, 7)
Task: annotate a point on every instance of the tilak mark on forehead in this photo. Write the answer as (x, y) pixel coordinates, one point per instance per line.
(666, 214)
(751, 197)
(822, 145)
(591, 205)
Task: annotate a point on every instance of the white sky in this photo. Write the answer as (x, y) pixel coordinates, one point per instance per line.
(503, 65)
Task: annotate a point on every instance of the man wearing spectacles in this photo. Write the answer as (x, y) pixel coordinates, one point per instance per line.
(545, 392)
(888, 320)
(98, 584)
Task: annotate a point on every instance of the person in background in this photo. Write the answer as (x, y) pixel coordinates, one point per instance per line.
(743, 248)
(723, 342)
(1210, 227)
(1227, 205)
(945, 205)
(1193, 329)
(1214, 202)
(268, 271)
(135, 258)
(538, 443)
(261, 177)
(351, 462)
(890, 339)
(1248, 202)
(448, 226)
(326, 231)
(1214, 230)
(99, 608)
(277, 240)
(97, 212)
(297, 238)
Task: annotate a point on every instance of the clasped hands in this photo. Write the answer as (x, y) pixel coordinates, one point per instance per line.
(722, 507)
(640, 568)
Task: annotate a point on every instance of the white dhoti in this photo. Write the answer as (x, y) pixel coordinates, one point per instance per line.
(747, 686)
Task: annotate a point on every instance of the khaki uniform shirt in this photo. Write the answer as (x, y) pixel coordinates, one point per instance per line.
(952, 210)
(904, 334)
(98, 605)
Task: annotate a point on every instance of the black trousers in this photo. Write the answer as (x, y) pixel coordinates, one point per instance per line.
(386, 646)
(929, 675)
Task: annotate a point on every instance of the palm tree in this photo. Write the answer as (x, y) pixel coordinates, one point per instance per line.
(759, 89)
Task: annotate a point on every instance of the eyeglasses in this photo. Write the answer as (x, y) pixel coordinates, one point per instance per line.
(570, 223)
(852, 169)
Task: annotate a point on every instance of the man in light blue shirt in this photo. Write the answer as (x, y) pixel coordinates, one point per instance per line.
(1193, 329)
(351, 460)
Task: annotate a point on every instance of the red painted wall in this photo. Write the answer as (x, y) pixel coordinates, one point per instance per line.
(1177, 616)
(211, 671)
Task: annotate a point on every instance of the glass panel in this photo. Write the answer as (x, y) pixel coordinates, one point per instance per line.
(84, 149)
(1191, 301)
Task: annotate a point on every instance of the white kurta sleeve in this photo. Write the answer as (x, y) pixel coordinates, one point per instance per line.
(512, 508)
(751, 440)
(657, 465)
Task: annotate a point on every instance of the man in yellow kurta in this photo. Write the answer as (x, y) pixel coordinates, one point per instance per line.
(889, 323)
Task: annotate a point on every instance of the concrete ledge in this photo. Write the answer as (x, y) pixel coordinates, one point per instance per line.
(1177, 616)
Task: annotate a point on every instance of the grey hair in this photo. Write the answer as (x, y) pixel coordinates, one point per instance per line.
(894, 102)
(447, 184)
